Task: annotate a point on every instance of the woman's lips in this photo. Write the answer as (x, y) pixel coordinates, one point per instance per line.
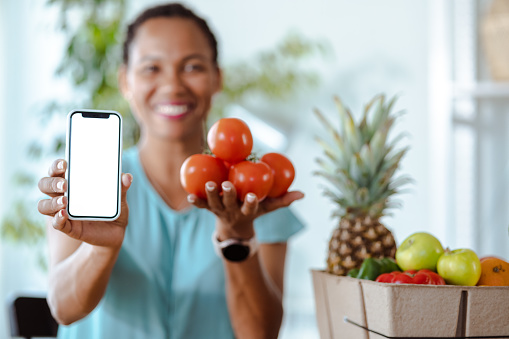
(172, 111)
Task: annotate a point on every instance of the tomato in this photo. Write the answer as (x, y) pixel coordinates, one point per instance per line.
(230, 139)
(198, 169)
(283, 172)
(423, 277)
(435, 279)
(251, 177)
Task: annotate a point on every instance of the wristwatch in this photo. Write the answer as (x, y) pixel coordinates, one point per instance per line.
(235, 250)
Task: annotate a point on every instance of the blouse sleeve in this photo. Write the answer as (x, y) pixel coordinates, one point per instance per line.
(277, 226)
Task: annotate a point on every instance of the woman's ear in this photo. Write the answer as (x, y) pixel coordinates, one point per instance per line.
(122, 83)
(219, 85)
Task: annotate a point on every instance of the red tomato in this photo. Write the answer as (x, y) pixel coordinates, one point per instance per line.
(434, 277)
(230, 139)
(423, 277)
(283, 172)
(198, 169)
(251, 177)
(401, 278)
(385, 278)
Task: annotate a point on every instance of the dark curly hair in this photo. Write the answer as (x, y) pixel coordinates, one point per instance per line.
(172, 10)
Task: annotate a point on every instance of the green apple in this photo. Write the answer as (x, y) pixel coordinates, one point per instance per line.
(419, 251)
(460, 267)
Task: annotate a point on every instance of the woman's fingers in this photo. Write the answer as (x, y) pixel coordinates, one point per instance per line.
(250, 205)
(61, 223)
(213, 198)
(286, 200)
(58, 221)
(200, 203)
(53, 186)
(57, 168)
(127, 179)
(52, 206)
(229, 195)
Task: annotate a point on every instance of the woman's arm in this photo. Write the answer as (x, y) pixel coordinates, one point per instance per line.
(254, 287)
(254, 291)
(82, 253)
(78, 276)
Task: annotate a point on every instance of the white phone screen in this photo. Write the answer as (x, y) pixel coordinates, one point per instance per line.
(94, 165)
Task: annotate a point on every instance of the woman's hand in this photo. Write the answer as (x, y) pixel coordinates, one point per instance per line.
(235, 219)
(100, 233)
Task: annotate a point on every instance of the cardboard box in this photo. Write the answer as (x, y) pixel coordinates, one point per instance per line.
(361, 309)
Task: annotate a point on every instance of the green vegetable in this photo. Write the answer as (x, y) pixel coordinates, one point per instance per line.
(353, 273)
(389, 265)
(371, 268)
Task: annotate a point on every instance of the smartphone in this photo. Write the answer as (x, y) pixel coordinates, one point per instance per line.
(94, 164)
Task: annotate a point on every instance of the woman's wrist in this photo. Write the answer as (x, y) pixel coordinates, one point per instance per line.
(98, 253)
(243, 232)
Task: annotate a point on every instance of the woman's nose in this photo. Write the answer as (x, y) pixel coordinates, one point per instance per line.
(171, 81)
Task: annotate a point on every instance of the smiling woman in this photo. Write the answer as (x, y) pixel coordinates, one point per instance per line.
(153, 271)
(170, 89)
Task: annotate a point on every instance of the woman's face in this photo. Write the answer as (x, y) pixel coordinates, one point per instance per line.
(171, 78)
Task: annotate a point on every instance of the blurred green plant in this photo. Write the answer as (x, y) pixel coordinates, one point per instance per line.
(94, 31)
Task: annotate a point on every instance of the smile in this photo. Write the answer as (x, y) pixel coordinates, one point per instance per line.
(172, 110)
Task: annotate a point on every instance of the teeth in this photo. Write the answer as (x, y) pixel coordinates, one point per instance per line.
(171, 110)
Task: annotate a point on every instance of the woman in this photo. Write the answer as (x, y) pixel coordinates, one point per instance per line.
(155, 274)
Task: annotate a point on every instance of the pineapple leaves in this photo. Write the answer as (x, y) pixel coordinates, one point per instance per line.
(327, 124)
(342, 115)
(368, 160)
(361, 161)
(338, 155)
(328, 150)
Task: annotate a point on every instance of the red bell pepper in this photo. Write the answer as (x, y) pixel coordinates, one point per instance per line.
(423, 277)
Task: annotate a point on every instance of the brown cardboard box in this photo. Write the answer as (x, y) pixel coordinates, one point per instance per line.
(352, 308)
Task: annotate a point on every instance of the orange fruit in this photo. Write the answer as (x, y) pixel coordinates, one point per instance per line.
(494, 272)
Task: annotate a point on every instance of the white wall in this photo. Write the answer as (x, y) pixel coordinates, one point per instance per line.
(29, 53)
(2, 140)
(378, 46)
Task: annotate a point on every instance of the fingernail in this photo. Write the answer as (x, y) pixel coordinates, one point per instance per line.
(61, 213)
(60, 200)
(60, 165)
(60, 185)
(250, 197)
(129, 179)
(226, 188)
(190, 198)
(209, 186)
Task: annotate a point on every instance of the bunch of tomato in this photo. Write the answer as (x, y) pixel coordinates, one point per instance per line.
(231, 143)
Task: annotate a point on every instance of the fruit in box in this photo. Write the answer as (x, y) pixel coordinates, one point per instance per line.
(360, 164)
(459, 267)
(494, 272)
(420, 250)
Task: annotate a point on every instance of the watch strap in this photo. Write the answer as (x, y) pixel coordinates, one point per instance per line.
(237, 246)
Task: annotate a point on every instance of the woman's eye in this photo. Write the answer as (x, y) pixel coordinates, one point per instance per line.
(193, 68)
(150, 69)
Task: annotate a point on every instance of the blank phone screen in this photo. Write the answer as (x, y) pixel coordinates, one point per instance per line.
(94, 149)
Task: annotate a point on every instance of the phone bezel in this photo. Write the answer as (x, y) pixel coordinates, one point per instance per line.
(92, 114)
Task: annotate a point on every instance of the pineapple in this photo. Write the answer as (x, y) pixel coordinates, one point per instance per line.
(360, 164)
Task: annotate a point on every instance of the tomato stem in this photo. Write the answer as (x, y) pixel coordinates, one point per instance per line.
(253, 157)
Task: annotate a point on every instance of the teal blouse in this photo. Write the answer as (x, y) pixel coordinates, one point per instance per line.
(167, 281)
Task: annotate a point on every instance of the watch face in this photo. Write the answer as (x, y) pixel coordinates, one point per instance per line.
(236, 252)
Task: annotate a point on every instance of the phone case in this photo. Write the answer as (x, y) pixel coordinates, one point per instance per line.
(119, 178)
